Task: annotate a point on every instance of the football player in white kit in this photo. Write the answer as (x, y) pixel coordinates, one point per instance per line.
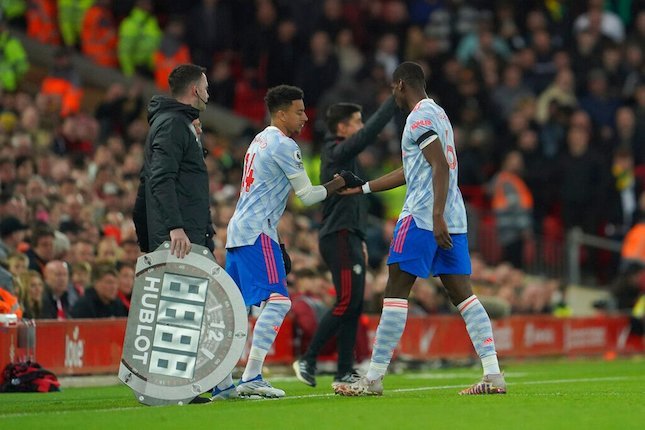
(272, 167)
(429, 238)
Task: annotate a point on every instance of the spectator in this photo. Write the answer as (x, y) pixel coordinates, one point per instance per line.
(81, 277)
(99, 36)
(606, 21)
(561, 91)
(599, 104)
(13, 59)
(318, 71)
(70, 19)
(130, 251)
(512, 204)
(283, 54)
(56, 297)
(119, 109)
(505, 97)
(101, 301)
(211, 34)
(139, 37)
(309, 304)
(9, 303)
(126, 282)
(11, 235)
(623, 191)
(221, 85)
(31, 292)
(17, 264)
(64, 83)
(41, 21)
(42, 248)
(172, 52)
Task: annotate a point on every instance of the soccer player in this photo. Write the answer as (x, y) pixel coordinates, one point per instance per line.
(272, 167)
(429, 238)
(342, 237)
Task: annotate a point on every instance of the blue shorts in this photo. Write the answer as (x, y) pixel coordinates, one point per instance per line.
(258, 270)
(417, 252)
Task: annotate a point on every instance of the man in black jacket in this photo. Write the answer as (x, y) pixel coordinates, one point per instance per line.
(342, 236)
(173, 198)
(101, 301)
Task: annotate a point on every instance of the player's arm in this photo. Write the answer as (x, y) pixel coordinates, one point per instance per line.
(432, 150)
(310, 194)
(391, 180)
(353, 145)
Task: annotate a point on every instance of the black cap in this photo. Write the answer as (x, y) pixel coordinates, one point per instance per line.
(11, 225)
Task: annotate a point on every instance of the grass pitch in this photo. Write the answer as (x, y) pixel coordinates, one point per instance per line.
(559, 394)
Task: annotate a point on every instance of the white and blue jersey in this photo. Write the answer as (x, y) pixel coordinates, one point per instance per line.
(427, 120)
(271, 160)
(253, 257)
(413, 246)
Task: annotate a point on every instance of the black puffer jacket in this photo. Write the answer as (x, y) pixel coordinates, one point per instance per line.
(173, 191)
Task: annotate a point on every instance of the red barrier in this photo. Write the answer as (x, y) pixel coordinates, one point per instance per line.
(79, 347)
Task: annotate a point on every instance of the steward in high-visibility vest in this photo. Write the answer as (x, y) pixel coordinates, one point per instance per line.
(512, 205)
(63, 81)
(633, 249)
(99, 36)
(139, 38)
(9, 303)
(11, 9)
(13, 60)
(70, 19)
(42, 23)
(172, 52)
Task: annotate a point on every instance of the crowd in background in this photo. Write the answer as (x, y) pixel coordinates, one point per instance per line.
(547, 99)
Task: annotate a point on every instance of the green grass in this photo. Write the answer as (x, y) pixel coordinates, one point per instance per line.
(559, 394)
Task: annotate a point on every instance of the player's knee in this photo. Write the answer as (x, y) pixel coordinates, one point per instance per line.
(281, 302)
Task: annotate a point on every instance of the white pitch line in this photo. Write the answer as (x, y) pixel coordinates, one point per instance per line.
(311, 396)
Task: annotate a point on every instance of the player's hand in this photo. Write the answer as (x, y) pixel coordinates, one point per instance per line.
(179, 243)
(351, 180)
(440, 232)
(198, 126)
(350, 191)
(286, 259)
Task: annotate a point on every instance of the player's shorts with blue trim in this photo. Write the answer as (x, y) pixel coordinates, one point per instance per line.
(258, 270)
(416, 251)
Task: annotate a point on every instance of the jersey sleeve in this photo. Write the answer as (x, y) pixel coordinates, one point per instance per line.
(288, 157)
(422, 131)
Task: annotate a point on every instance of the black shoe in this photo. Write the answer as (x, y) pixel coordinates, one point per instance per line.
(199, 400)
(347, 378)
(305, 373)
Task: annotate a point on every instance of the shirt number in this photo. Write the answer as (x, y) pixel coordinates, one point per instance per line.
(247, 178)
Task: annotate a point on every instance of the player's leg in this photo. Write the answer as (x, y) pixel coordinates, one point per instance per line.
(263, 278)
(342, 252)
(349, 309)
(410, 257)
(332, 248)
(453, 268)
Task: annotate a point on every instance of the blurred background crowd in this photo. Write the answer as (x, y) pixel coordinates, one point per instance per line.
(547, 98)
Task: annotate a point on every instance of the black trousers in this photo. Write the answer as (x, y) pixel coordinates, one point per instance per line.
(342, 251)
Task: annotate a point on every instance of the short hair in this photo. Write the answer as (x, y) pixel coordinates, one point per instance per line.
(410, 73)
(306, 273)
(40, 232)
(340, 112)
(281, 97)
(183, 76)
(103, 269)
